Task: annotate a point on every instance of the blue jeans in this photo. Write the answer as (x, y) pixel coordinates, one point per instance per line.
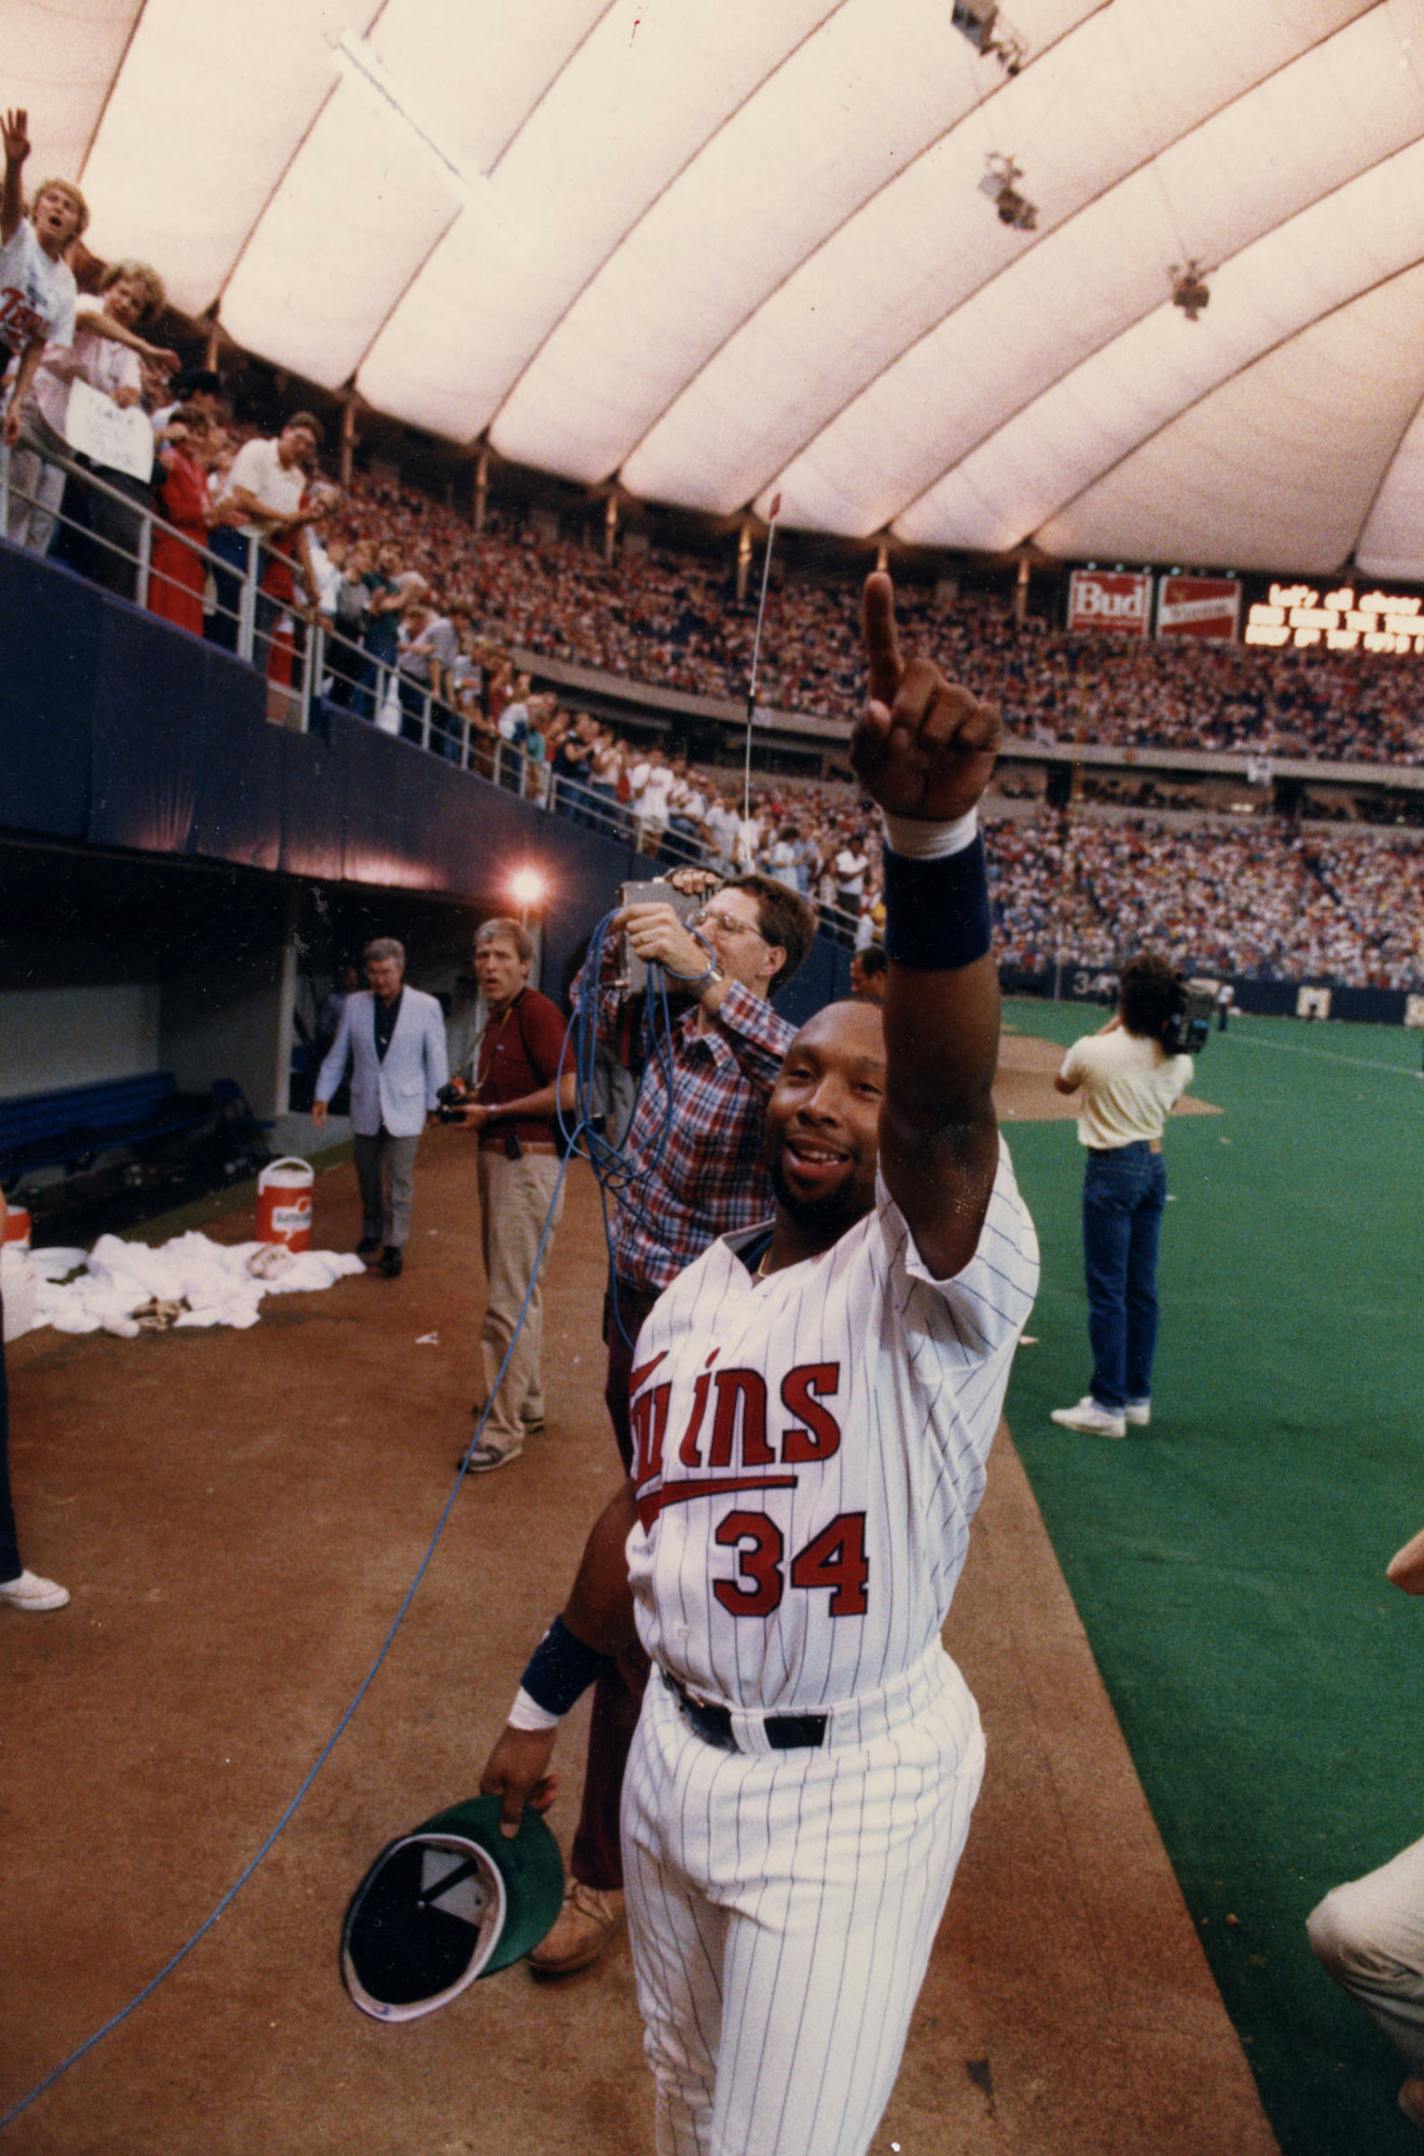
(380, 652)
(1124, 1195)
(232, 547)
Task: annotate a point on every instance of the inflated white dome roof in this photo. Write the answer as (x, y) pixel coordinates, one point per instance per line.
(724, 249)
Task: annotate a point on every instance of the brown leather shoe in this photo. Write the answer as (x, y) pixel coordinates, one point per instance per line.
(588, 1920)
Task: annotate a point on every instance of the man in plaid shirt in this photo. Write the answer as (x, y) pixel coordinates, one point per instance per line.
(694, 1172)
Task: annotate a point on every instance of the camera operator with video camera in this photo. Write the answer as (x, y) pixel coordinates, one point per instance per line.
(1131, 1074)
(513, 1106)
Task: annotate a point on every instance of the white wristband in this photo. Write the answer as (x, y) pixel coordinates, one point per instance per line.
(526, 1713)
(916, 839)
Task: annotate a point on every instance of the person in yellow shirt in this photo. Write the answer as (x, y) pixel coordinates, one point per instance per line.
(1129, 1082)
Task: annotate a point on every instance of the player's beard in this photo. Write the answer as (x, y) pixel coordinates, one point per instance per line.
(825, 1219)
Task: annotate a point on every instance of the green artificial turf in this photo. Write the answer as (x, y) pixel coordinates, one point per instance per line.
(1228, 1563)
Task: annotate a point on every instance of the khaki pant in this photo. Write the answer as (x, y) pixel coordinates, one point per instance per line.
(385, 1172)
(514, 1202)
(1370, 1936)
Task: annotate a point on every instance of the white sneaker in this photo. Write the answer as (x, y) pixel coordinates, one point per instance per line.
(1087, 1415)
(1137, 1414)
(30, 1592)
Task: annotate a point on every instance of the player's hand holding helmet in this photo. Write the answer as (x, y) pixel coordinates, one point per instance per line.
(922, 747)
(517, 1772)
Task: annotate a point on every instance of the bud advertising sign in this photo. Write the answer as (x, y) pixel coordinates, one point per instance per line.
(1208, 606)
(1118, 599)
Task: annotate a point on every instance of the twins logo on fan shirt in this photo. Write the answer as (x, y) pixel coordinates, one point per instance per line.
(20, 321)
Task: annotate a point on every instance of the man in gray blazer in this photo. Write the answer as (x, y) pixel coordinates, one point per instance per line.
(395, 1039)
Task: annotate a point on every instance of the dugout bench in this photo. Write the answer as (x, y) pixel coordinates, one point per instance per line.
(74, 1127)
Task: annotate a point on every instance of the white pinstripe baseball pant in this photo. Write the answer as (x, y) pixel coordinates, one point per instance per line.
(782, 1908)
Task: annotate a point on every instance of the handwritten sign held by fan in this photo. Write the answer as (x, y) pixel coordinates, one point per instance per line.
(116, 440)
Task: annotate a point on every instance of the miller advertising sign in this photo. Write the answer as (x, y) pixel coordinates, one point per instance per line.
(1116, 599)
(1204, 606)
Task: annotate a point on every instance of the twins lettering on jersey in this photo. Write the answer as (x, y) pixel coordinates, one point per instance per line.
(737, 1440)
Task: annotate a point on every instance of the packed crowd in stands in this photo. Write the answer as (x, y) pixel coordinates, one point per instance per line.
(1263, 902)
(422, 617)
(407, 582)
(675, 621)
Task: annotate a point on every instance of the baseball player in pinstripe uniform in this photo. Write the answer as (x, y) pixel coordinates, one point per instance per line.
(812, 1406)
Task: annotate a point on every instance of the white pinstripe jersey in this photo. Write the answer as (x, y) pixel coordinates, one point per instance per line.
(809, 1452)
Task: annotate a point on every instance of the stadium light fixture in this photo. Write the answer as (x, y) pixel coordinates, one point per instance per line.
(1190, 290)
(528, 887)
(1000, 184)
(988, 32)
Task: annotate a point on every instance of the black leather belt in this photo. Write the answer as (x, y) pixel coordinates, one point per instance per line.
(784, 1732)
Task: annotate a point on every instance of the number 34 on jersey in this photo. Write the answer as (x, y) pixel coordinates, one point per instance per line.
(739, 1440)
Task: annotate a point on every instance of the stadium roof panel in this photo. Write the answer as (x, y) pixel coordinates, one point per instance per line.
(721, 250)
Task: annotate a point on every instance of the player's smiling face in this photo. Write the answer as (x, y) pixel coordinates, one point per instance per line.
(823, 1120)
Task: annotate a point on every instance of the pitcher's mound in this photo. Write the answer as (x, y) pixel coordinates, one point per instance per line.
(1024, 1092)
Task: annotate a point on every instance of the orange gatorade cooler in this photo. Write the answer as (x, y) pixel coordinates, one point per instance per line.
(17, 1227)
(284, 1203)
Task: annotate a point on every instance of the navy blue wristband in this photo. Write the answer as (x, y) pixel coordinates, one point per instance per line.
(937, 911)
(561, 1669)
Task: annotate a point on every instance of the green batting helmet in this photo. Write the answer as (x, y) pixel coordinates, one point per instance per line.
(451, 1901)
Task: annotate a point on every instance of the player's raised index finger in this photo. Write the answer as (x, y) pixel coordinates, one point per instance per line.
(882, 643)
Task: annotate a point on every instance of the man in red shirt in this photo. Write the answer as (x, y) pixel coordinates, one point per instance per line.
(516, 1097)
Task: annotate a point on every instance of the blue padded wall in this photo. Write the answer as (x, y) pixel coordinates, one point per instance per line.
(239, 810)
(49, 645)
(146, 716)
(118, 730)
(313, 806)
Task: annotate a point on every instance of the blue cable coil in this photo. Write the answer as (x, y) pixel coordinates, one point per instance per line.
(617, 1180)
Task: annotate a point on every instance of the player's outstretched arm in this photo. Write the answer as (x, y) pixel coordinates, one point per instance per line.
(597, 1623)
(924, 749)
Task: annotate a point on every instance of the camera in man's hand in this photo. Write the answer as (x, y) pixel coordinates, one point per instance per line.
(685, 902)
(453, 1098)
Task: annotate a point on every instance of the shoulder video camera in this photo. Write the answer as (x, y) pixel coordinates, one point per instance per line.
(1188, 1030)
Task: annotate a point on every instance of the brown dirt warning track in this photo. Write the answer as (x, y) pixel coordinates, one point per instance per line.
(238, 1516)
